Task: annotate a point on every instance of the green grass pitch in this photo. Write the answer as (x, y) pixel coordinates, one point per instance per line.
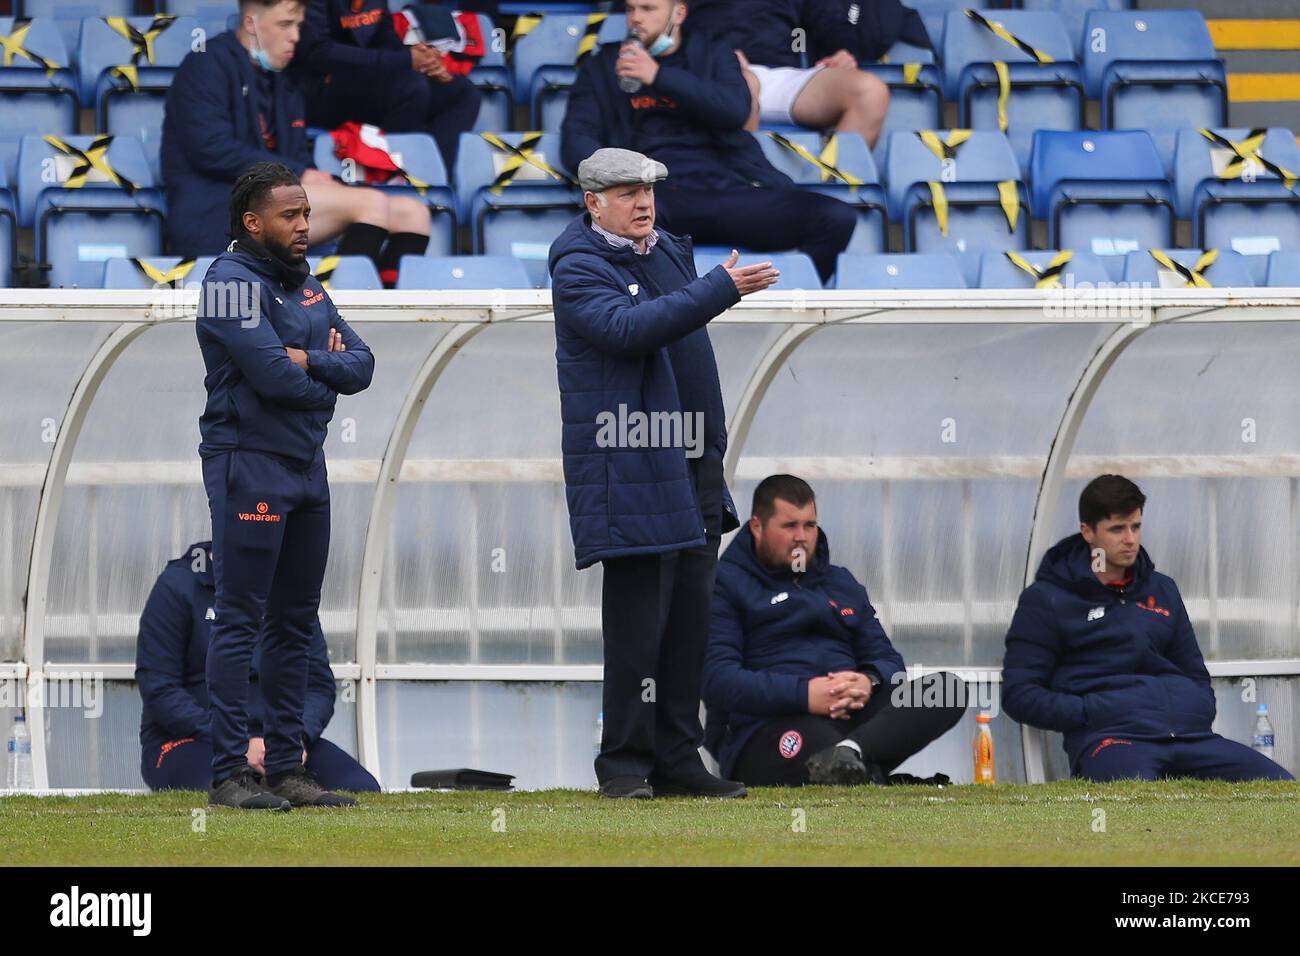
(1170, 823)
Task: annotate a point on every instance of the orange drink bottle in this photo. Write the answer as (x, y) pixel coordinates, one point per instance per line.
(984, 772)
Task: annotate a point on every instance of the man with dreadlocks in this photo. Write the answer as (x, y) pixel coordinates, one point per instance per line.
(278, 355)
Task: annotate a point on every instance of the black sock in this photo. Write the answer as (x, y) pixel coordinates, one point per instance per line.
(363, 239)
(399, 244)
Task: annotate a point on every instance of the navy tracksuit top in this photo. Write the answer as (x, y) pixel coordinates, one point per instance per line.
(1092, 660)
(258, 400)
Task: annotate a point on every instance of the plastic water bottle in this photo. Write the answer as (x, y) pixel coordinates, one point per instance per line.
(20, 776)
(600, 732)
(984, 772)
(1262, 741)
(630, 84)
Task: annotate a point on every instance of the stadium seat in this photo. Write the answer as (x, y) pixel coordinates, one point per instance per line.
(126, 67)
(1102, 191)
(514, 194)
(915, 88)
(1237, 186)
(200, 9)
(1187, 269)
(8, 233)
(1043, 84)
(1155, 70)
(103, 203)
(420, 161)
(463, 272)
(933, 13)
(68, 14)
(956, 191)
(493, 79)
(895, 271)
(148, 273)
(1046, 270)
(1283, 270)
(346, 272)
(1072, 14)
(38, 90)
(547, 51)
(843, 168)
(796, 268)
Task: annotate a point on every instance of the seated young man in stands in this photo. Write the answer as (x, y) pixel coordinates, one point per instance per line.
(171, 670)
(688, 111)
(801, 683)
(353, 66)
(231, 106)
(838, 35)
(1102, 650)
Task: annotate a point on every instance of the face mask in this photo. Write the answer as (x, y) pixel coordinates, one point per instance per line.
(260, 57)
(662, 42)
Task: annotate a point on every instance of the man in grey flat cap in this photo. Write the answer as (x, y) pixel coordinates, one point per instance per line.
(643, 441)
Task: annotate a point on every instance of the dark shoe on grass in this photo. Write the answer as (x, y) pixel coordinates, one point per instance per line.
(245, 791)
(626, 788)
(697, 785)
(842, 767)
(300, 788)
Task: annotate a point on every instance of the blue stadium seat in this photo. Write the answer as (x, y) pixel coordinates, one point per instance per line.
(915, 88)
(1237, 188)
(547, 56)
(463, 272)
(516, 196)
(1072, 14)
(103, 203)
(68, 14)
(1044, 84)
(150, 272)
(976, 186)
(1102, 191)
(843, 168)
(894, 271)
(1154, 70)
(346, 272)
(797, 270)
(1218, 268)
(999, 270)
(201, 9)
(418, 156)
(8, 232)
(1283, 270)
(126, 72)
(933, 13)
(492, 77)
(38, 90)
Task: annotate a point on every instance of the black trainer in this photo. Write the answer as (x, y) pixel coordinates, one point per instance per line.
(300, 788)
(697, 785)
(244, 791)
(626, 788)
(840, 766)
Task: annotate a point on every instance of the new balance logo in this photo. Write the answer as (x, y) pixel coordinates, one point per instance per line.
(1096, 614)
(777, 599)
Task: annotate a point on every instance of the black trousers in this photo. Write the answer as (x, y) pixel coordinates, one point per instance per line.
(398, 102)
(655, 618)
(896, 723)
(768, 220)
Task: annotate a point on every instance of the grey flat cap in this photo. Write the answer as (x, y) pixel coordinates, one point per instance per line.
(618, 167)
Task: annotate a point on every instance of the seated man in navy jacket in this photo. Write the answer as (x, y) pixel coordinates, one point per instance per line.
(230, 107)
(171, 668)
(801, 682)
(688, 109)
(831, 92)
(353, 66)
(1102, 650)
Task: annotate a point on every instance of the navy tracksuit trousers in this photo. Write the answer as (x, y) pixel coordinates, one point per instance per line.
(1207, 758)
(270, 541)
(187, 765)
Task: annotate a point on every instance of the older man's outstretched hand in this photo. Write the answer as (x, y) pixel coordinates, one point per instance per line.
(749, 279)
